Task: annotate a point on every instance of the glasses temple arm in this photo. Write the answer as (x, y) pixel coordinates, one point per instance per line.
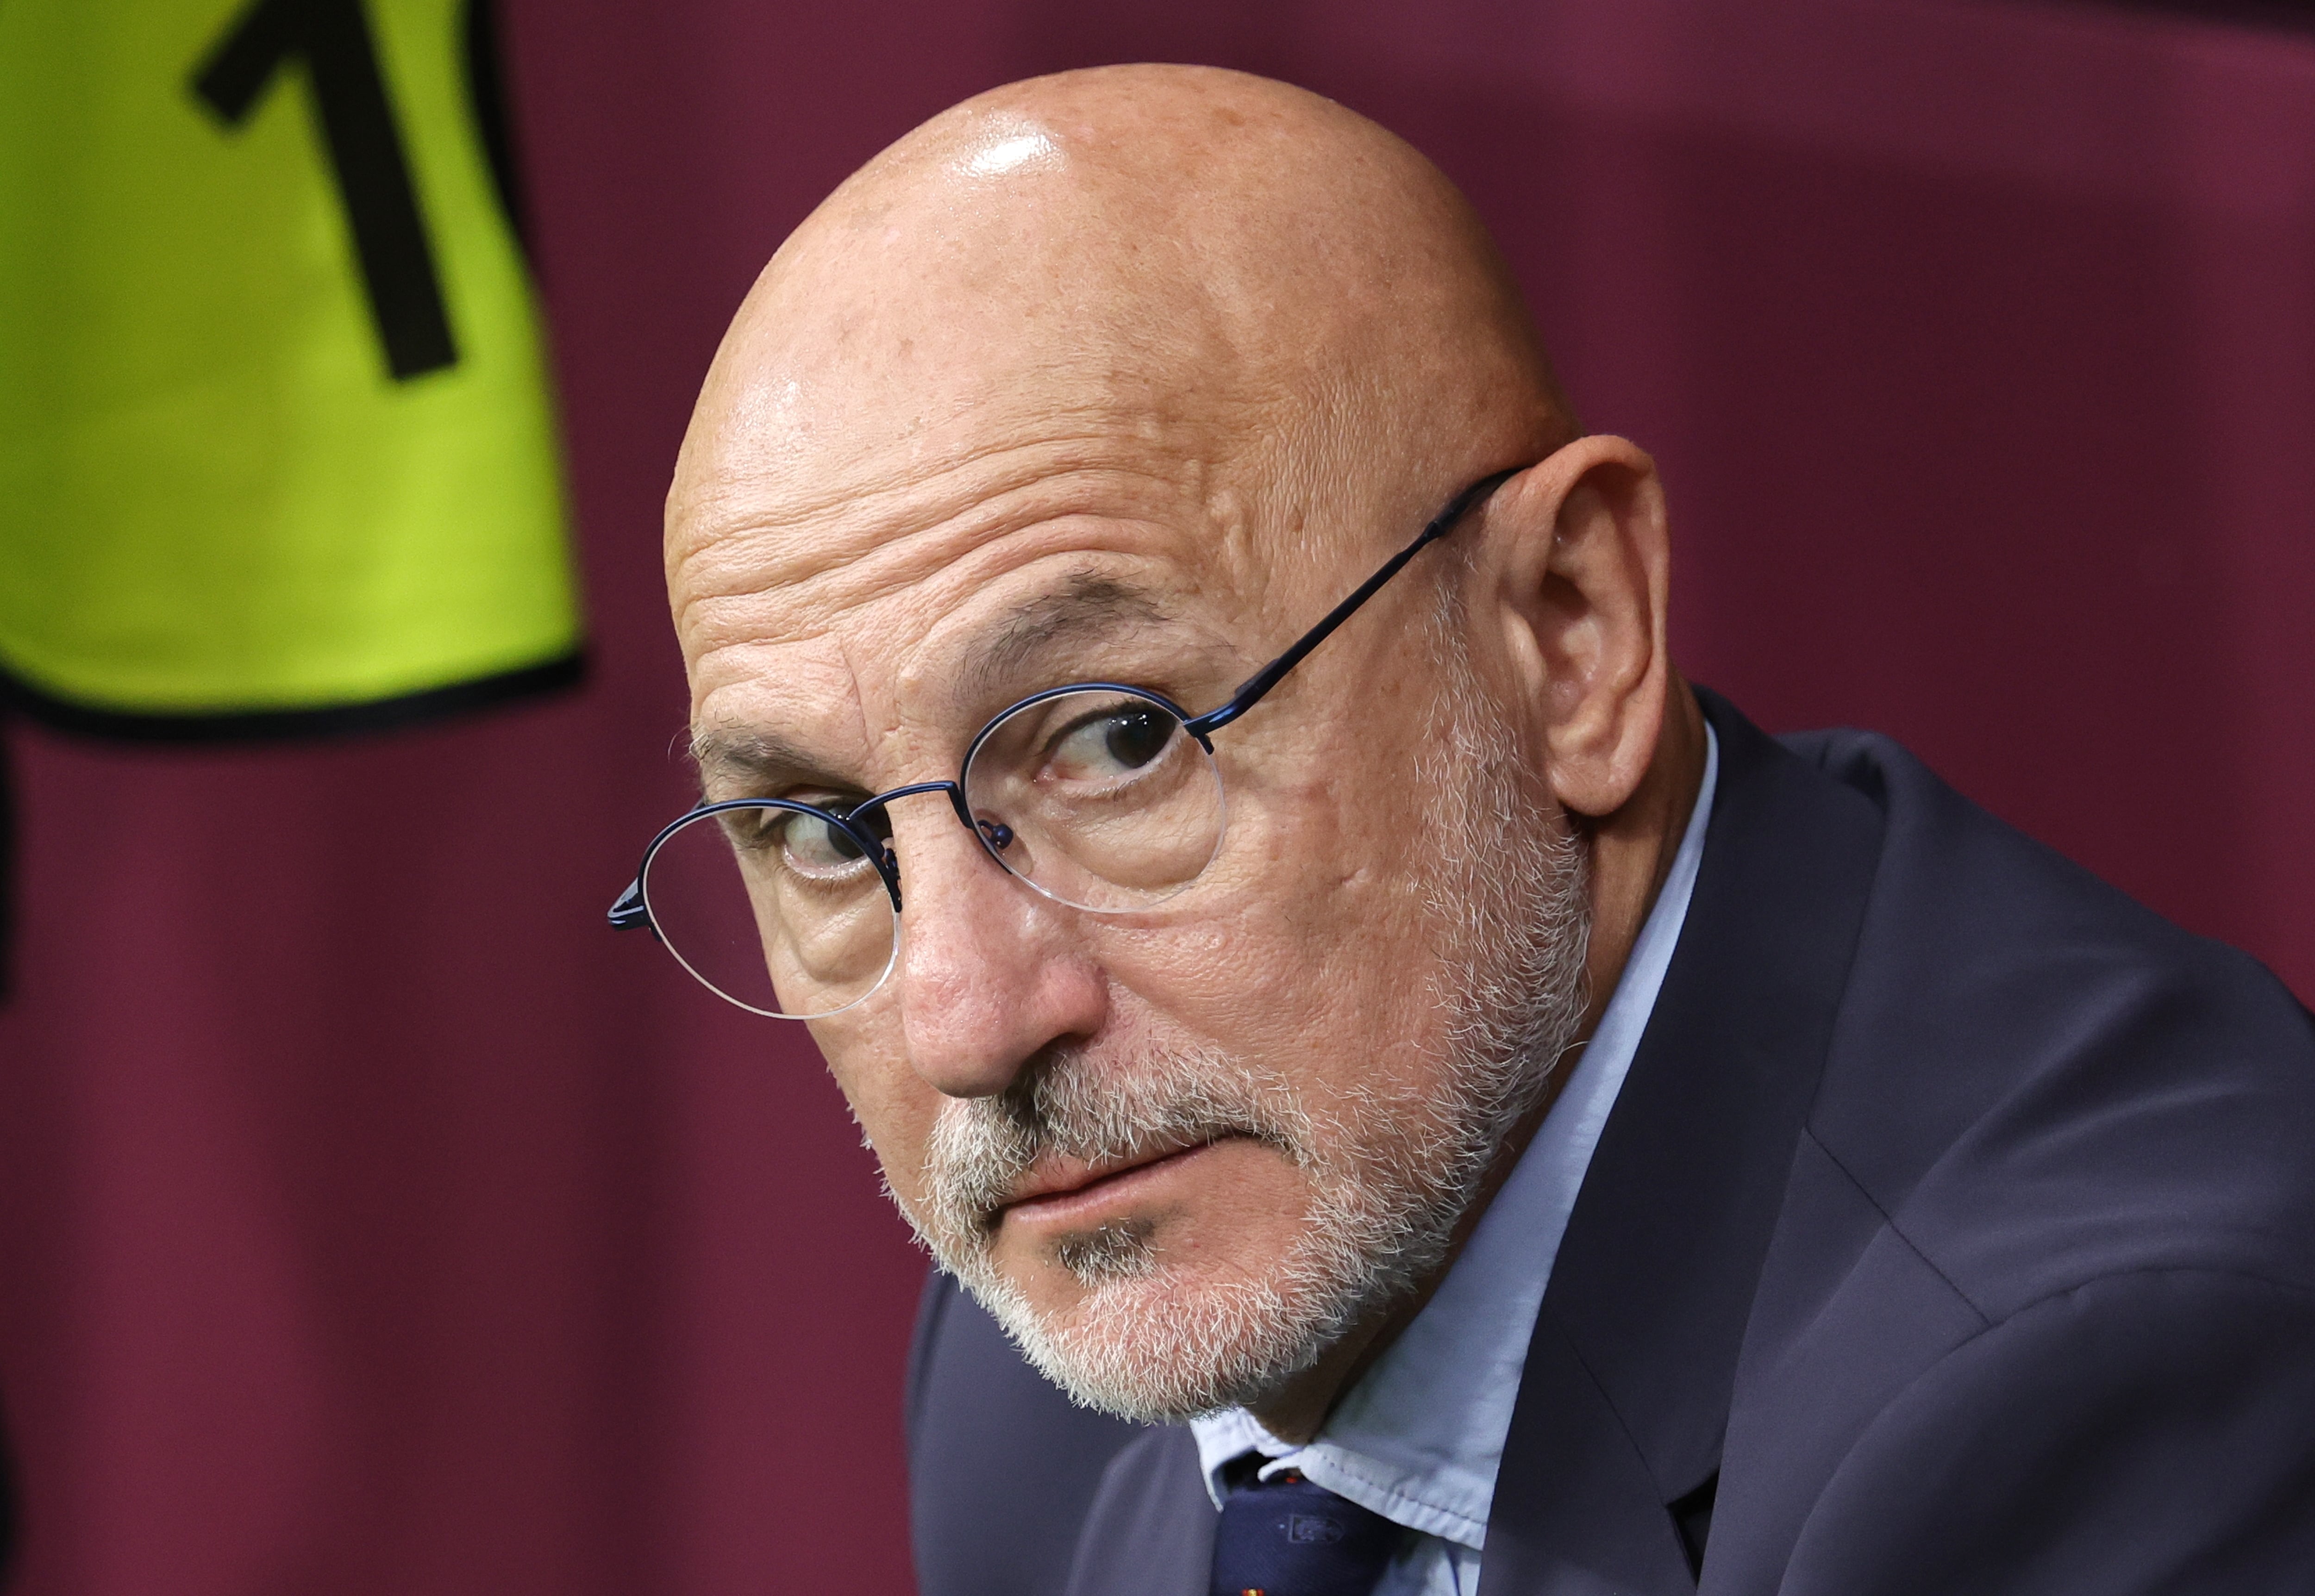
(628, 914)
(1250, 692)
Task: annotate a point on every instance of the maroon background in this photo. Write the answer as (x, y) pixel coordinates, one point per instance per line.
(372, 1220)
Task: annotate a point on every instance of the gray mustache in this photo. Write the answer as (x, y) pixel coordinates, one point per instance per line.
(981, 1149)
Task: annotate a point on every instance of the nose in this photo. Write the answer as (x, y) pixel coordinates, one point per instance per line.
(990, 973)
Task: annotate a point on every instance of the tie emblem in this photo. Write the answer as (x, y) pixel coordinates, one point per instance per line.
(1311, 1529)
(1287, 1537)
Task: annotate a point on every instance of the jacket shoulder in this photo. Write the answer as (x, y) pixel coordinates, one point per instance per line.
(2037, 1081)
(2047, 1242)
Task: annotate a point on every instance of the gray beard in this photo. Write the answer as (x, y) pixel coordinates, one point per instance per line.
(1393, 1170)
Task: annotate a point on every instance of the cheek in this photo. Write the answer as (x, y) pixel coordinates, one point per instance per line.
(1316, 961)
(895, 1107)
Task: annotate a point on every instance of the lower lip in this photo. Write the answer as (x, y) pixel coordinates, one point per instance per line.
(1085, 1205)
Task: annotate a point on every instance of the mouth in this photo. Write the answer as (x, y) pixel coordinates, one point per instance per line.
(1067, 1193)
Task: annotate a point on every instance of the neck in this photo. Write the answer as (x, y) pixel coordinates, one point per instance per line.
(1632, 853)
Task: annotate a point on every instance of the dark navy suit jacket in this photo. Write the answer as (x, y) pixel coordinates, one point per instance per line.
(1954, 1232)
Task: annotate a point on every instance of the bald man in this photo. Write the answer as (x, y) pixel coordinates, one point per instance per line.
(1404, 1095)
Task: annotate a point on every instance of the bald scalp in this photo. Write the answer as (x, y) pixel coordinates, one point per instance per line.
(1273, 289)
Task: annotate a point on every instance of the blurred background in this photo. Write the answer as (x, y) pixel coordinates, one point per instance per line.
(374, 1221)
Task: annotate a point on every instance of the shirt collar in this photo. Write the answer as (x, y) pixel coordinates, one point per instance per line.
(1420, 1437)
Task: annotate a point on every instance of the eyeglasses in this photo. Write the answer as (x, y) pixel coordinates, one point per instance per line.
(1100, 795)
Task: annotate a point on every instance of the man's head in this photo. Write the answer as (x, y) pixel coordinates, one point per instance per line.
(1167, 361)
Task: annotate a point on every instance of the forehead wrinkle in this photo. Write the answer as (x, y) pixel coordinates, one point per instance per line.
(870, 482)
(735, 597)
(847, 515)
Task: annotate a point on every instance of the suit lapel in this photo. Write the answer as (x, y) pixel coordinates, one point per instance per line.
(1615, 1441)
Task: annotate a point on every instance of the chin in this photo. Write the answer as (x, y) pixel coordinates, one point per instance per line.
(1156, 1343)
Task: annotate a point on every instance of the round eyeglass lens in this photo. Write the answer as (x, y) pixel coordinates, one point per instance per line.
(773, 907)
(1097, 797)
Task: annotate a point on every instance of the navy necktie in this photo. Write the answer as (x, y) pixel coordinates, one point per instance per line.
(1286, 1536)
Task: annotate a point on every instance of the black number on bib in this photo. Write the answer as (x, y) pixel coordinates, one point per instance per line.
(332, 37)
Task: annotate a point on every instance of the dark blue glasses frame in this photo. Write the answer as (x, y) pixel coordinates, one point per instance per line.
(630, 912)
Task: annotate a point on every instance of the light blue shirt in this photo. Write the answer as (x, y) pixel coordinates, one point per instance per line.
(1419, 1437)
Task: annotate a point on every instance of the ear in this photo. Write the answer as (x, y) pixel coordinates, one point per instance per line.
(1583, 567)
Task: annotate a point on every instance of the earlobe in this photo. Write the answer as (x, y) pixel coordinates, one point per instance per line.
(1585, 575)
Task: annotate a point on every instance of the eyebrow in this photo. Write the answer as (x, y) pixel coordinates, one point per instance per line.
(1084, 604)
(763, 756)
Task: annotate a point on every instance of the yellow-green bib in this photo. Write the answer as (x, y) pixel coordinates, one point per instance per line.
(274, 431)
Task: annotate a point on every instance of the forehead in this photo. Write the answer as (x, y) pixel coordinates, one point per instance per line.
(838, 610)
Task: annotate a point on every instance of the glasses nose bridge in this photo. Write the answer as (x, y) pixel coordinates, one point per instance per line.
(993, 835)
(954, 793)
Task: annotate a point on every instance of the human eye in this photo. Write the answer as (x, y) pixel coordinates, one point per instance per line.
(815, 845)
(812, 843)
(1111, 744)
